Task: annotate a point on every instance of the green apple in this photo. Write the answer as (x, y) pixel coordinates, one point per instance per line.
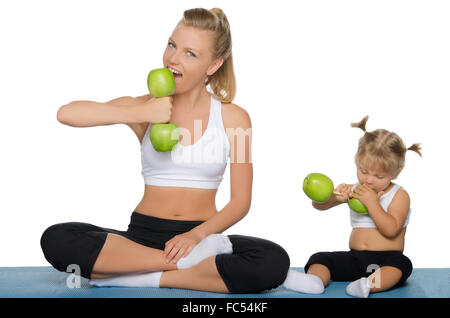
(318, 187)
(161, 82)
(164, 136)
(357, 206)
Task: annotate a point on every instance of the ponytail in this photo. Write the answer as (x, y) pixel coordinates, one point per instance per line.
(223, 81)
(361, 124)
(416, 148)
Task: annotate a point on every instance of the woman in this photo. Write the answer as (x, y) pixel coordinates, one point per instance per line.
(172, 238)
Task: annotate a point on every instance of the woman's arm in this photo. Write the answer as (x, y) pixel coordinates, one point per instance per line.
(237, 207)
(238, 127)
(122, 110)
(239, 131)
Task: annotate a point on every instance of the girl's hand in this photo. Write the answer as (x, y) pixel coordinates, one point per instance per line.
(366, 195)
(180, 246)
(345, 191)
(158, 110)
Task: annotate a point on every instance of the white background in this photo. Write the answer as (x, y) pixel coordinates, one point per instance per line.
(305, 70)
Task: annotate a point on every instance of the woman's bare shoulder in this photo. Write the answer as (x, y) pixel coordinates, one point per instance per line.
(235, 116)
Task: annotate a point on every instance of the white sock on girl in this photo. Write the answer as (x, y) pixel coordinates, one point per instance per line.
(359, 288)
(303, 283)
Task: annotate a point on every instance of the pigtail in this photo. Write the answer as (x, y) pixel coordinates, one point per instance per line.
(416, 148)
(361, 124)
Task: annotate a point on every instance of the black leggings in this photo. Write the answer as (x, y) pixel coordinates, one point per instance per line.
(353, 264)
(254, 266)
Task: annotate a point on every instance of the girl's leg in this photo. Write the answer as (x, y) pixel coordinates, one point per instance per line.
(321, 271)
(318, 271)
(384, 278)
(313, 282)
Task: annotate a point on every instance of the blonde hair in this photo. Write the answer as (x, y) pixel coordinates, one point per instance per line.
(383, 149)
(223, 81)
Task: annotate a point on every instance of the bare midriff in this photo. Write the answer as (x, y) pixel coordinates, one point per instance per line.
(188, 204)
(370, 239)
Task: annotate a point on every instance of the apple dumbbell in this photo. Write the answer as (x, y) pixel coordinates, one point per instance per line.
(319, 187)
(161, 83)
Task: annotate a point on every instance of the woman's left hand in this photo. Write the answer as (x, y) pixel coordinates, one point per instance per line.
(180, 246)
(366, 195)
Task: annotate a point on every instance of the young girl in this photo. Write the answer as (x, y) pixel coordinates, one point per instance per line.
(375, 261)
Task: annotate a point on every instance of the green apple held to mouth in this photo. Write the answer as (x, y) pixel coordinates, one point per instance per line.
(164, 136)
(161, 82)
(357, 206)
(318, 187)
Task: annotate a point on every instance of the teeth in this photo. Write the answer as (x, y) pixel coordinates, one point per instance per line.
(174, 71)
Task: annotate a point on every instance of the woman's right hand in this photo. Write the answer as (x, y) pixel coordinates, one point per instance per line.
(159, 110)
(345, 192)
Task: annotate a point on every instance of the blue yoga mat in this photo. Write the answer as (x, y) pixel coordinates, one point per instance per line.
(46, 282)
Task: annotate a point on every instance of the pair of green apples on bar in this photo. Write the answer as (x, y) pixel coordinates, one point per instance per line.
(318, 187)
(161, 83)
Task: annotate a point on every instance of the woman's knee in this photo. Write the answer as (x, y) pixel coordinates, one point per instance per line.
(264, 264)
(72, 244)
(274, 264)
(53, 244)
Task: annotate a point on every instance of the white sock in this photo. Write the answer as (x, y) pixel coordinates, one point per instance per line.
(130, 280)
(359, 288)
(211, 245)
(304, 283)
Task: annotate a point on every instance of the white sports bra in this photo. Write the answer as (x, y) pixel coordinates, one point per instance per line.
(199, 165)
(364, 220)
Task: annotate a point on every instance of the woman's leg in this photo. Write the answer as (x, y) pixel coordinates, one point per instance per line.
(255, 265)
(120, 255)
(98, 251)
(204, 276)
